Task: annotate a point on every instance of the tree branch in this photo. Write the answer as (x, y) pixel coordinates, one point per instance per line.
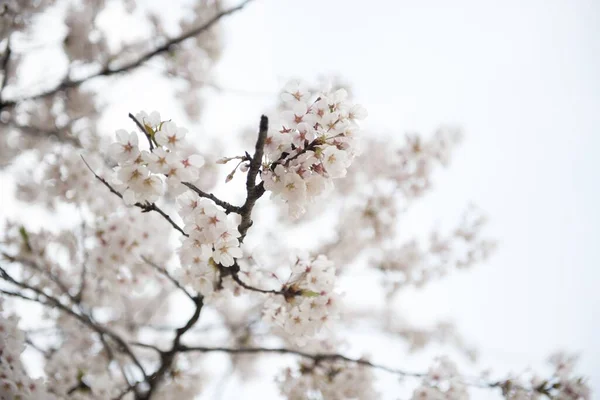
(253, 191)
(4, 68)
(143, 129)
(317, 357)
(234, 272)
(108, 71)
(168, 357)
(33, 265)
(145, 207)
(50, 301)
(164, 272)
(229, 208)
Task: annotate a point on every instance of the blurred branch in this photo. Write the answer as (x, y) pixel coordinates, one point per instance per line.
(108, 71)
(4, 68)
(164, 272)
(44, 133)
(52, 302)
(317, 357)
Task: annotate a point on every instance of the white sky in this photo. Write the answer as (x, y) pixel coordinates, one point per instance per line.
(522, 79)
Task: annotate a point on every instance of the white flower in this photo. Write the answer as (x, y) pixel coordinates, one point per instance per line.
(357, 112)
(297, 115)
(126, 148)
(194, 160)
(295, 91)
(150, 189)
(293, 189)
(170, 135)
(187, 202)
(311, 304)
(335, 162)
(303, 133)
(133, 175)
(157, 160)
(152, 120)
(225, 252)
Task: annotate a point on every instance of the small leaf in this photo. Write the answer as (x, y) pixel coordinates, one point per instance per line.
(25, 237)
(310, 293)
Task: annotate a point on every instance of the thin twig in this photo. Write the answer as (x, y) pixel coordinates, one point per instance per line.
(143, 129)
(145, 207)
(229, 208)
(82, 277)
(164, 272)
(33, 265)
(234, 272)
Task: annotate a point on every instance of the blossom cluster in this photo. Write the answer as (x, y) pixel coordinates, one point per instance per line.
(65, 179)
(419, 263)
(140, 172)
(330, 380)
(122, 241)
(442, 382)
(308, 302)
(212, 239)
(15, 383)
(562, 384)
(78, 368)
(313, 144)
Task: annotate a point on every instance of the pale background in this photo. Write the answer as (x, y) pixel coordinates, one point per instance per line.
(521, 78)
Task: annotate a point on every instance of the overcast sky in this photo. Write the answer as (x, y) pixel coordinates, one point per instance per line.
(521, 78)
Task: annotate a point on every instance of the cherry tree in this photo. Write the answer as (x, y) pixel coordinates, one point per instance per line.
(150, 272)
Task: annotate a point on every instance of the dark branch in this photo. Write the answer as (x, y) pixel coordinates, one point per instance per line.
(144, 131)
(4, 68)
(229, 208)
(234, 272)
(253, 191)
(168, 357)
(263, 129)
